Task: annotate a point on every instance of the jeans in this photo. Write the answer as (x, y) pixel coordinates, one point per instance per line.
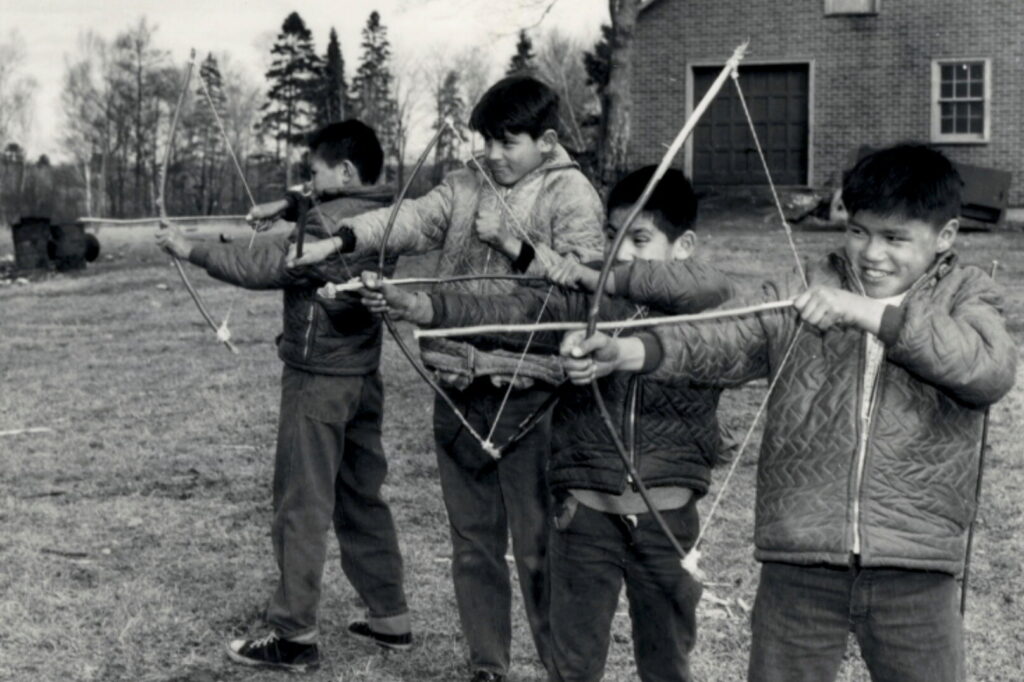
(592, 553)
(329, 470)
(907, 623)
(485, 503)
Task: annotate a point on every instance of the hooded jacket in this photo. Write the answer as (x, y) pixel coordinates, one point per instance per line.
(911, 497)
(323, 337)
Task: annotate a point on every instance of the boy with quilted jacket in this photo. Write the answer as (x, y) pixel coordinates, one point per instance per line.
(603, 533)
(866, 480)
(525, 208)
(330, 464)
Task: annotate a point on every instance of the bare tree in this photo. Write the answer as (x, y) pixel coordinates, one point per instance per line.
(16, 90)
(560, 65)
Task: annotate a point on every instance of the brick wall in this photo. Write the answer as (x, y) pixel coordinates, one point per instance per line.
(871, 75)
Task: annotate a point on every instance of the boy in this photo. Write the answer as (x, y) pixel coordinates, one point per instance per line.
(329, 465)
(870, 454)
(603, 533)
(547, 213)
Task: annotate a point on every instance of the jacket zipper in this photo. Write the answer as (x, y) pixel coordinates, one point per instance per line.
(309, 330)
(866, 420)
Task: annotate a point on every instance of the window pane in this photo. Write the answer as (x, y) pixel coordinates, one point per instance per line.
(946, 90)
(947, 73)
(977, 89)
(961, 89)
(977, 71)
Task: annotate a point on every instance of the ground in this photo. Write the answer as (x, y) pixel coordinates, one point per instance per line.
(134, 535)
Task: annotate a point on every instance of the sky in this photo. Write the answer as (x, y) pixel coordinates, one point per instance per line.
(246, 30)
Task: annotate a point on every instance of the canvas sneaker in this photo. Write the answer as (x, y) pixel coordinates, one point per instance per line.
(361, 630)
(273, 652)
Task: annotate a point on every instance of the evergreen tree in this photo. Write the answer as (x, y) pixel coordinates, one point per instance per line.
(294, 76)
(372, 85)
(449, 106)
(333, 102)
(203, 138)
(522, 62)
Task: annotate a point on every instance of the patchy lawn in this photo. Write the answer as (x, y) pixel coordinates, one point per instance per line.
(134, 537)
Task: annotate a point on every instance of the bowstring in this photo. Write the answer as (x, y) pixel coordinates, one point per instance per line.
(702, 530)
(241, 175)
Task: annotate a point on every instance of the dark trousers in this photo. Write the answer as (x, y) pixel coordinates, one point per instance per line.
(907, 623)
(329, 470)
(592, 554)
(485, 503)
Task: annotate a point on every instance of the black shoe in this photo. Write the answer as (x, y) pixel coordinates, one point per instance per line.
(361, 629)
(273, 652)
(486, 676)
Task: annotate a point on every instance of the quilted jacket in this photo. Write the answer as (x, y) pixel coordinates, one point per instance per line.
(554, 204)
(319, 336)
(947, 356)
(677, 433)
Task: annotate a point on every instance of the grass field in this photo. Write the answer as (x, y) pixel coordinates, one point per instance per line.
(134, 537)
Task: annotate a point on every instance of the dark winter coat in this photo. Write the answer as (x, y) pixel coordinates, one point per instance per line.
(319, 336)
(676, 426)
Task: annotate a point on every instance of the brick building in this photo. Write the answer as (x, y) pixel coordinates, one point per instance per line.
(823, 77)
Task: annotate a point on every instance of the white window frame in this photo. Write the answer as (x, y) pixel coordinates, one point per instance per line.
(936, 111)
(839, 8)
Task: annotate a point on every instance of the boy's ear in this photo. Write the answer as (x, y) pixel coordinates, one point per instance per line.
(684, 246)
(947, 235)
(547, 141)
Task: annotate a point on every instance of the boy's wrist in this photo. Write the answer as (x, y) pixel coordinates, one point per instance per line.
(867, 314)
(631, 355)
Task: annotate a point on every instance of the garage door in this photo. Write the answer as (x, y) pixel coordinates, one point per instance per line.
(724, 152)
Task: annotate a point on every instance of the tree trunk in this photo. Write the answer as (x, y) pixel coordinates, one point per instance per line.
(617, 100)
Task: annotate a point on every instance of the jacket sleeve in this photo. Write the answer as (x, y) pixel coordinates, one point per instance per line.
(965, 350)
(727, 351)
(525, 306)
(576, 223)
(261, 267)
(673, 287)
(420, 226)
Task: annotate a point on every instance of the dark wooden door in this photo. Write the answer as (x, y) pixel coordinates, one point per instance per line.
(724, 151)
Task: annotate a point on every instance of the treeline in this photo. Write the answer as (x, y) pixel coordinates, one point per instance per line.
(119, 96)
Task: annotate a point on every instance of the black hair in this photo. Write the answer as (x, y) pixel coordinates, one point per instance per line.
(350, 140)
(513, 105)
(908, 180)
(673, 203)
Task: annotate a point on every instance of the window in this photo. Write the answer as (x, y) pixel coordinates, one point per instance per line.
(960, 100)
(851, 7)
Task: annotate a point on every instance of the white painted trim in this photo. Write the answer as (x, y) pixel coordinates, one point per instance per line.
(937, 136)
(702, 63)
(830, 10)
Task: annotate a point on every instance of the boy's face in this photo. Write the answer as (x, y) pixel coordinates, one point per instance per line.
(890, 253)
(515, 155)
(325, 178)
(645, 240)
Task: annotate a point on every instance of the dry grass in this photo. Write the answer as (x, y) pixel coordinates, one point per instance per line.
(135, 536)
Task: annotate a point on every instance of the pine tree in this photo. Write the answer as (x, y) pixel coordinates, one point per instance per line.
(294, 76)
(522, 62)
(206, 145)
(333, 102)
(372, 85)
(449, 106)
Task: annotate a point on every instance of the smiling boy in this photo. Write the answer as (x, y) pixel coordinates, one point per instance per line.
(869, 461)
(525, 207)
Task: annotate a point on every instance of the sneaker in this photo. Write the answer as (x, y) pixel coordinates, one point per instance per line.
(273, 652)
(361, 630)
(486, 676)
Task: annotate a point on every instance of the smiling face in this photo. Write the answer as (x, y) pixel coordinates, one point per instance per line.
(890, 253)
(645, 240)
(513, 156)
